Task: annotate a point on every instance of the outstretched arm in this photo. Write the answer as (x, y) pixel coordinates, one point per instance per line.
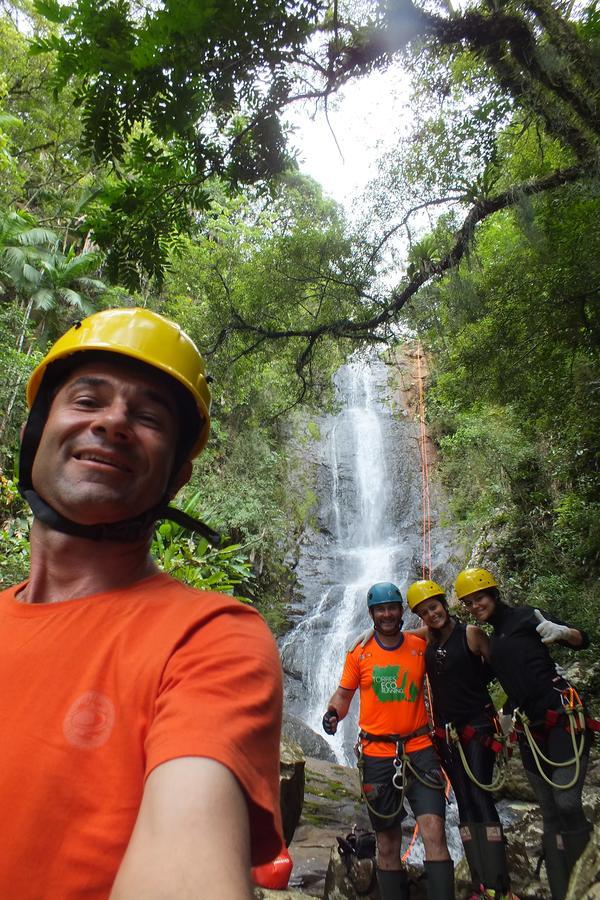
(191, 831)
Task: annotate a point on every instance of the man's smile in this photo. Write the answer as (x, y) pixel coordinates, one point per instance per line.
(103, 459)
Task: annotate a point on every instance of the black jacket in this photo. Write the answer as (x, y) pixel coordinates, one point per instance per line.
(522, 664)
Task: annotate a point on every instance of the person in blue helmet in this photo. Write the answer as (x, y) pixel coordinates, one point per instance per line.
(396, 755)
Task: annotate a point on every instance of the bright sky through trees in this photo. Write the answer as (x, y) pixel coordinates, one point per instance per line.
(365, 118)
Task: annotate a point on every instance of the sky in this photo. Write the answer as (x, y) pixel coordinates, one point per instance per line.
(365, 118)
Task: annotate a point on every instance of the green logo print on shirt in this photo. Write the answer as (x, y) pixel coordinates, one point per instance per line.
(388, 686)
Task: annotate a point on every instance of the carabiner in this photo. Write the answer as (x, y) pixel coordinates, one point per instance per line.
(398, 776)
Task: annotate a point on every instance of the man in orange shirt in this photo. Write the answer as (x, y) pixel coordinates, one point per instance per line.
(140, 718)
(397, 756)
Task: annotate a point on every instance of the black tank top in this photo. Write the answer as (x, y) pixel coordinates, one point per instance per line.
(457, 680)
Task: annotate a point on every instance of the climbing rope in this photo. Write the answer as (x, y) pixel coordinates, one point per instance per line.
(425, 495)
(502, 763)
(576, 724)
(401, 764)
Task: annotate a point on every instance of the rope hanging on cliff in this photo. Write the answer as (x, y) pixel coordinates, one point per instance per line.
(425, 497)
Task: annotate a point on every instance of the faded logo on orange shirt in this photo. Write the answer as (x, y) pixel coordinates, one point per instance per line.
(89, 721)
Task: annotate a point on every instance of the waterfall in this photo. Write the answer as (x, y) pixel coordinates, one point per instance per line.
(369, 520)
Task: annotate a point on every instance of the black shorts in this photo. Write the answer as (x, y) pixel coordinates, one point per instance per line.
(384, 797)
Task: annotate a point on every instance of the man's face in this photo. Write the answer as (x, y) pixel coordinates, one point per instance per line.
(387, 617)
(107, 448)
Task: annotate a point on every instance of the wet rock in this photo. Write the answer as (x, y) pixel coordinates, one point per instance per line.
(332, 806)
(291, 786)
(341, 884)
(360, 882)
(312, 744)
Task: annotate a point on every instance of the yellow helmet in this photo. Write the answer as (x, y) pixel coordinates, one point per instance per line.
(470, 580)
(142, 335)
(423, 590)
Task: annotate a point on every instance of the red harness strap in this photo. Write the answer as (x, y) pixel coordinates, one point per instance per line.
(469, 733)
(556, 718)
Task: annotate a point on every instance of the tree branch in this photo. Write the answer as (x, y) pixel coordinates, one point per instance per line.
(376, 326)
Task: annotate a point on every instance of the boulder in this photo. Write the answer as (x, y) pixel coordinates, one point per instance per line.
(360, 883)
(291, 786)
(343, 885)
(312, 744)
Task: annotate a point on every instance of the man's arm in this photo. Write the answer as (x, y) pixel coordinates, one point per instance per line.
(191, 832)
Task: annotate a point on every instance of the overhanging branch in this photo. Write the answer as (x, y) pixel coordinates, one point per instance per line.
(374, 328)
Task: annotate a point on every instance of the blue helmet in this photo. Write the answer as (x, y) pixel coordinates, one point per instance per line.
(383, 592)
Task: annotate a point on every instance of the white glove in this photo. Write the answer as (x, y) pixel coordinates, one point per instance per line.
(363, 638)
(550, 631)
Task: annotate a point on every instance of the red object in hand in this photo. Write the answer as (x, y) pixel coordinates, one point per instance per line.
(274, 874)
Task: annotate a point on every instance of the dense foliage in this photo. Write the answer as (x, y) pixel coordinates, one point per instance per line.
(248, 252)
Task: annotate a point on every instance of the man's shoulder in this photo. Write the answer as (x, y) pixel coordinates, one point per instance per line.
(173, 599)
(413, 642)
(8, 595)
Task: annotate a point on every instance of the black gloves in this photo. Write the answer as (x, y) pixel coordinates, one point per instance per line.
(330, 721)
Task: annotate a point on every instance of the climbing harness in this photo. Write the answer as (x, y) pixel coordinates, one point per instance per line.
(497, 742)
(572, 717)
(401, 763)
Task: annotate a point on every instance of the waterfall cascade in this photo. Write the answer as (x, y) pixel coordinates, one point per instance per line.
(370, 526)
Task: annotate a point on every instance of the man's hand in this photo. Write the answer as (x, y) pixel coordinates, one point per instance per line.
(550, 632)
(363, 638)
(330, 720)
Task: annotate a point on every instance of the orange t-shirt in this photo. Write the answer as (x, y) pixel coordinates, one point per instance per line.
(391, 691)
(97, 692)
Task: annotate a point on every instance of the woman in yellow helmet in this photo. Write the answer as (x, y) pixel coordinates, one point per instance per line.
(548, 726)
(463, 711)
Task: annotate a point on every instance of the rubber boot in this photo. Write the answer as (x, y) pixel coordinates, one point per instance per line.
(393, 884)
(492, 851)
(556, 864)
(440, 879)
(470, 842)
(575, 843)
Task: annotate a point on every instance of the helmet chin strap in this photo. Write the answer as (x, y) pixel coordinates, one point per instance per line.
(127, 530)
